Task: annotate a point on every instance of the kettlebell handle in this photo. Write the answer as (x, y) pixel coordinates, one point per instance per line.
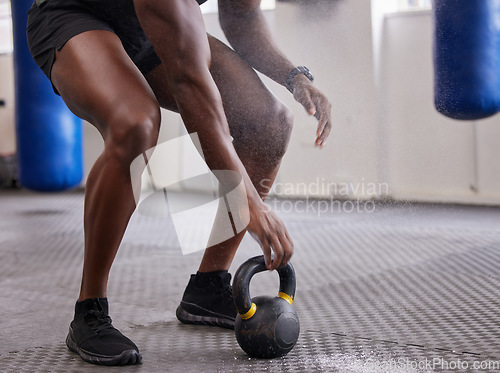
(241, 284)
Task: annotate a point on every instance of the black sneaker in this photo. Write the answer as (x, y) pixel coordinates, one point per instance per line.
(208, 300)
(93, 337)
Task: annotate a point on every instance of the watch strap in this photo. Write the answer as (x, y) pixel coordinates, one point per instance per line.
(297, 71)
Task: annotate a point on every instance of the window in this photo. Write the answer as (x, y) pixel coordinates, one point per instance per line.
(396, 6)
(211, 6)
(6, 44)
(414, 4)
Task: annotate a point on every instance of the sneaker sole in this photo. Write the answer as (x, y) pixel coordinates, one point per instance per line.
(215, 320)
(128, 357)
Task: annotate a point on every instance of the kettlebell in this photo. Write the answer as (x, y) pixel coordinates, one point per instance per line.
(265, 327)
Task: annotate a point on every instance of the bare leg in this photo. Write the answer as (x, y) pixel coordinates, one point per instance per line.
(259, 124)
(105, 88)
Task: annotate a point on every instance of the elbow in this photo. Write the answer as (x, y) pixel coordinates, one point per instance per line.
(146, 7)
(238, 8)
(233, 14)
(228, 22)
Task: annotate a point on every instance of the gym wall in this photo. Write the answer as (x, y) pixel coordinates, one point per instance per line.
(7, 129)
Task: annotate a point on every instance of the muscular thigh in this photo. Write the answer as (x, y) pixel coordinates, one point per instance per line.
(98, 81)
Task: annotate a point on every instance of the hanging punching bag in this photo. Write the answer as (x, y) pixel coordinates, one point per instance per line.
(467, 58)
(49, 136)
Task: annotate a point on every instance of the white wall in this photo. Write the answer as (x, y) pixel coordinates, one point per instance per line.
(7, 127)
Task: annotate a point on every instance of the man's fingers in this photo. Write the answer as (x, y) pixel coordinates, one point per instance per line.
(323, 120)
(287, 244)
(278, 252)
(326, 133)
(268, 230)
(266, 248)
(321, 137)
(310, 108)
(306, 101)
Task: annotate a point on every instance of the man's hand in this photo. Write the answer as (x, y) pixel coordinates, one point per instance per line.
(315, 104)
(270, 232)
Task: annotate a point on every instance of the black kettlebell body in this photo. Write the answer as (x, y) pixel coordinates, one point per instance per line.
(265, 327)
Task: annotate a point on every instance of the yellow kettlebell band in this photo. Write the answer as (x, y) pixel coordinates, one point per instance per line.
(286, 297)
(250, 312)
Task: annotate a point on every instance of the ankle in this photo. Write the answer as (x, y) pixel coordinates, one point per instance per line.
(82, 307)
(85, 298)
(203, 279)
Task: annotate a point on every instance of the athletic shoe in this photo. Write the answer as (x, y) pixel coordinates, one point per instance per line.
(208, 300)
(93, 337)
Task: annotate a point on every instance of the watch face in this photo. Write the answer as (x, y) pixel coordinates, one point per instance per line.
(306, 72)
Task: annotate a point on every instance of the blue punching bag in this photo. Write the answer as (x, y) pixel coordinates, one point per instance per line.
(49, 136)
(467, 58)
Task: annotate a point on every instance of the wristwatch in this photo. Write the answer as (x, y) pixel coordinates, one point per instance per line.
(298, 70)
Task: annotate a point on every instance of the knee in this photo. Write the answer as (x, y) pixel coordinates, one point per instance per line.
(132, 132)
(266, 141)
(282, 130)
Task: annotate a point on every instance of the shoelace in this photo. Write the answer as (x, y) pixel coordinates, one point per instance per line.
(221, 287)
(227, 293)
(228, 290)
(98, 320)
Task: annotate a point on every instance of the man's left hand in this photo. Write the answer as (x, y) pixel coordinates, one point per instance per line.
(315, 104)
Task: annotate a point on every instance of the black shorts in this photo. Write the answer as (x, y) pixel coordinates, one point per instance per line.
(54, 22)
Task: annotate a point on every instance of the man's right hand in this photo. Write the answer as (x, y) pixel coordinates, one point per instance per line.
(271, 234)
(177, 32)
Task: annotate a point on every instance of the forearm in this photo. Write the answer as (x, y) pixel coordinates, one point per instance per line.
(202, 114)
(248, 33)
(201, 117)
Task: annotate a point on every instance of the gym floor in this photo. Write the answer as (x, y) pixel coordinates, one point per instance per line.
(403, 288)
